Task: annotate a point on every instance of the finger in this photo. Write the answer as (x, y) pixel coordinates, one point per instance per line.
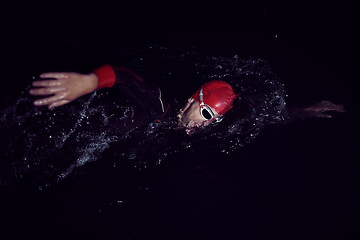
(46, 91)
(48, 83)
(49, 100)
(59, 103)
(337, 108)
(330, 106)
(324, 115)
(340, 108)
(57, 75)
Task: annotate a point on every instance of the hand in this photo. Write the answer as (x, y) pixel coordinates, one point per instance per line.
(63, 88)
(323, 109)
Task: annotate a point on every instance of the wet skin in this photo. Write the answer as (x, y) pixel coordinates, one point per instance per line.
(189, 117)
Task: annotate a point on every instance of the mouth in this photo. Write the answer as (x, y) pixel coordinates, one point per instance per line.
(190, 131)
(192, 127)
(189, 127)
(193, 124)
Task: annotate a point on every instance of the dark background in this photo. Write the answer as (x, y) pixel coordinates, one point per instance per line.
(312, 46)
(314, 49)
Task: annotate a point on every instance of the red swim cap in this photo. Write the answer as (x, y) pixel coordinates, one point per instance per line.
(218, 94)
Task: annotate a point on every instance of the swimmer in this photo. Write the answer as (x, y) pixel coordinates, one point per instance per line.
(209, 104)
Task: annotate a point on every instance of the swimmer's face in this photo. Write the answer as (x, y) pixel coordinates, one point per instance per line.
(189, 117)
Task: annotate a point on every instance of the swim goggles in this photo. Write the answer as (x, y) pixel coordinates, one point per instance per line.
(206, 111)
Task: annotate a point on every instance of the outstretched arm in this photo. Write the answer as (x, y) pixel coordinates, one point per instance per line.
(63, 87)
(322, 109)
(57, 89)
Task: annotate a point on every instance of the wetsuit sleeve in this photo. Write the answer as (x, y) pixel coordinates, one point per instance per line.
(106, 76)
(143, 94)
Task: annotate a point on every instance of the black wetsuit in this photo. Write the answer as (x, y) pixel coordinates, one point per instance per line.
(149, 103)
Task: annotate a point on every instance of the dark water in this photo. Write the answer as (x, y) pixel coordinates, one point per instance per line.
(294, 181)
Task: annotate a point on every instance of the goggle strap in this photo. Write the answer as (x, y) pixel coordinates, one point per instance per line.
(203, 106)
(201, 95)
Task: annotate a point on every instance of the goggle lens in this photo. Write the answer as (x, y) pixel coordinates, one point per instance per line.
(206, 114)
(205, 110)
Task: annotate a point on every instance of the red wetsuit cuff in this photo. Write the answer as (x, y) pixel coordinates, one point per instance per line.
(106, 76)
